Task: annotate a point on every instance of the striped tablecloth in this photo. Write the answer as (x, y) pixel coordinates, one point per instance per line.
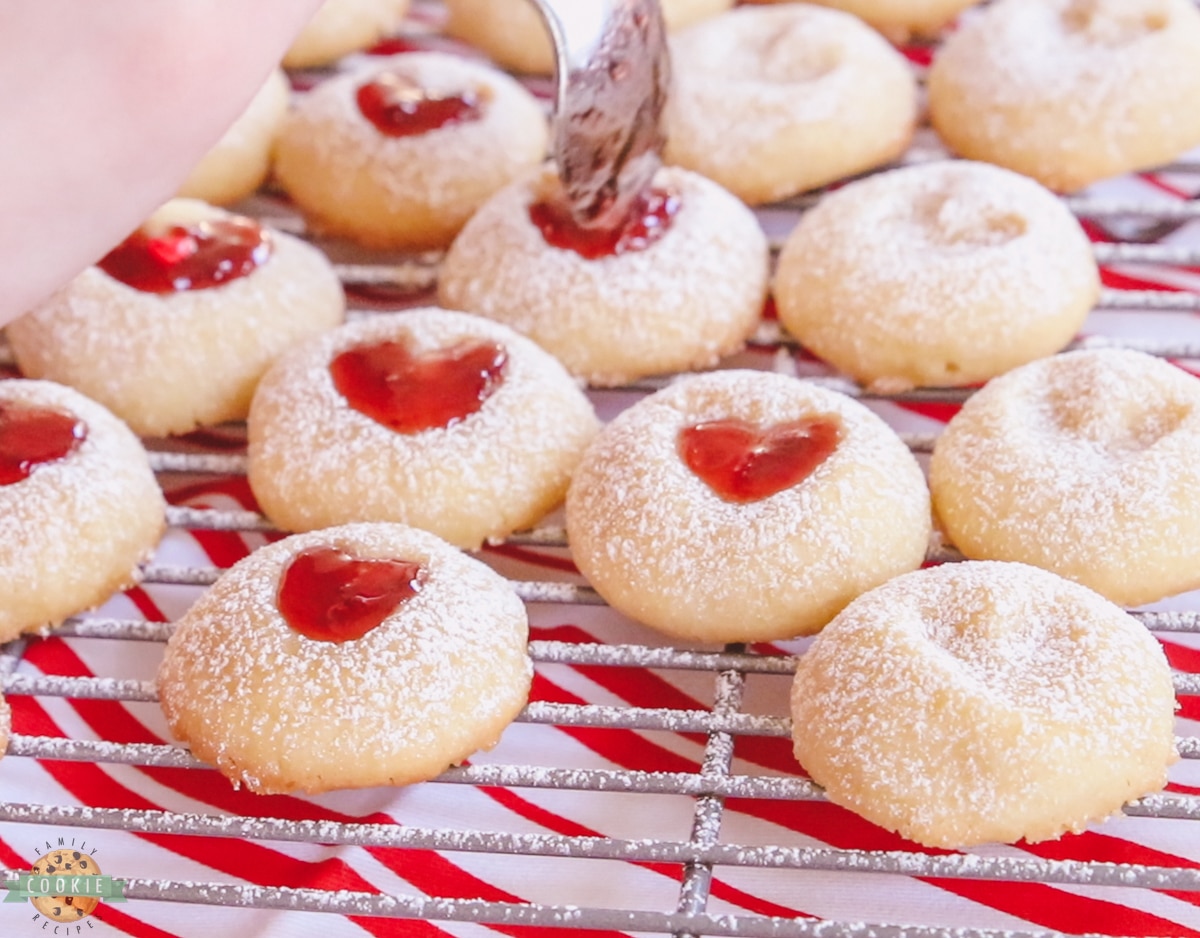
(597, 803)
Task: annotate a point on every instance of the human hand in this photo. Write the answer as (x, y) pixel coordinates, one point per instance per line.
(109, 105)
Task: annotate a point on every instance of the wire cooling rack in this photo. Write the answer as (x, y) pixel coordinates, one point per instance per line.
(720, 777)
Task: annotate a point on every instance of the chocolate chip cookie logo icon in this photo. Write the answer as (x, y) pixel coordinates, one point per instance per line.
(65, 886)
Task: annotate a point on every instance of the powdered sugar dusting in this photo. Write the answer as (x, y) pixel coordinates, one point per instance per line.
(327, 136)
(165, 363)
(1084, 463)
(1077, 89)
(74, 531)
(690, 298)
(936, 274)
(984, 701)
(662, 546)
(315, 461)
(746, 83)
(774, 66)
(437, 680)
(1062, 49)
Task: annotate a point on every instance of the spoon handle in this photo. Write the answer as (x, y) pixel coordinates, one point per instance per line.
(612, 74)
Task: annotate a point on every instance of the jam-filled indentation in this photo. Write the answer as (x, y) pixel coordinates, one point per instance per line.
(32, 436)
(409, 392)
(399, 107)
(329, 596)
(743, 462)
(196, 256)
(648, 221)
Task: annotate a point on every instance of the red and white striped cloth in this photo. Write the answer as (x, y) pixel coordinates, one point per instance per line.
(844, 897)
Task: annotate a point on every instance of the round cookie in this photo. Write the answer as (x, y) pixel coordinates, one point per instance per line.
(167, 360)
(441, 420)
(940, 274)
(397, 178)
(682, 302)
(343, 26)
(1104, 87)
(692, 512)
(66, 863)
(241, 160)
(771, 101)
(1087, 464)
(900, 19)
(79, 505)
(513, 35)
(363, 655)
(983, 702)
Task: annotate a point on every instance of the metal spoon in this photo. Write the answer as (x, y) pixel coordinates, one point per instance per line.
(612, 74)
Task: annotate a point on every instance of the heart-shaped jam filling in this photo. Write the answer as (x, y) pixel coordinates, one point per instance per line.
(399, 107)
(31, 436)
(329, 596)
(189, 257)
(742, 462)
(649, 219)
(409, 392)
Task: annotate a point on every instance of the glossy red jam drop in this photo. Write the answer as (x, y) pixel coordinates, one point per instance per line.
(31, 436)
(395, 45)
(744, 463)
(409, 393)
(189, 257)
(650, 219)
(399, 107)
(328, 596)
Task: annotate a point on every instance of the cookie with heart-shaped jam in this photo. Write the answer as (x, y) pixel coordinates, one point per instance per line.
(175, 325)
(744, 506)
(80, 508)
(397, 152)
(362, 655)
(442, 420)
(745, 462)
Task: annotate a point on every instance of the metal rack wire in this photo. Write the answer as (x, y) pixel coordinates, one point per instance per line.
(704, 853)
(715, 782)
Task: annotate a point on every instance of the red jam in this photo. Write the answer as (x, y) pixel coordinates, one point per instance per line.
(399, 107)
(744, 463)
(31, 436)
(649, 220)
(328, 596)
(409, 393)
(189, 257)
(395, 45)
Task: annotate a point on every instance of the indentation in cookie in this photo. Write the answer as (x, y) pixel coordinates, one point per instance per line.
(649, 219)
(31, 436)
(743, 462)
(793, 55)
(1113, 22)
(408, 391)
(399, 106)
(1114, 425)
(959, 220)
(198, 255)
(329, 596)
